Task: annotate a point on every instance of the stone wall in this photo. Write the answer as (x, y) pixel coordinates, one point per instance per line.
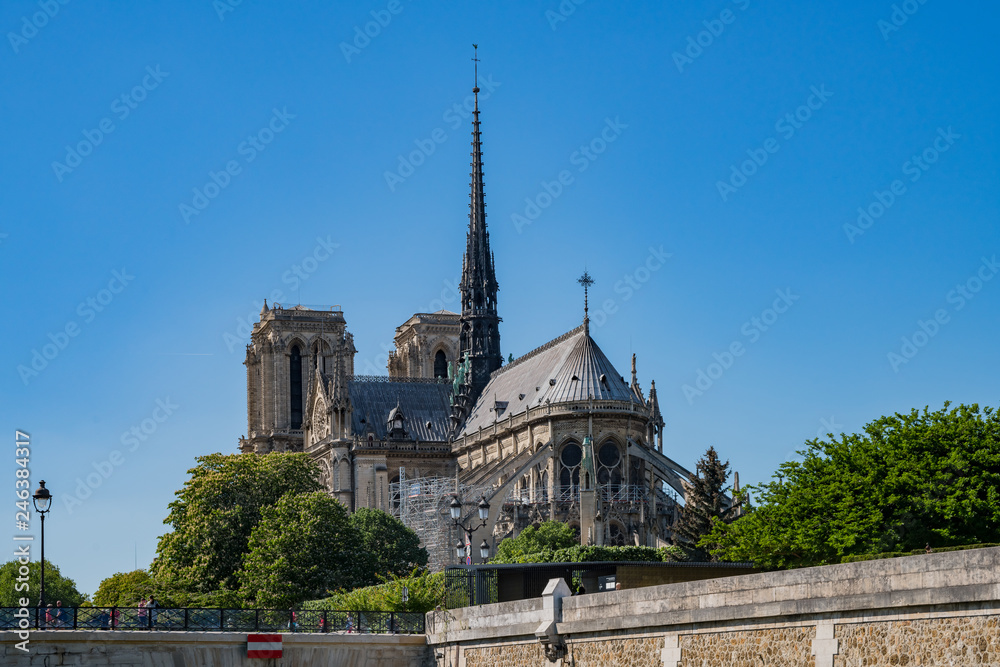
(97, 648)
(935, 609)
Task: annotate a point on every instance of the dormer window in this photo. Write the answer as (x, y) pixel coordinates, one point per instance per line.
(396, 423)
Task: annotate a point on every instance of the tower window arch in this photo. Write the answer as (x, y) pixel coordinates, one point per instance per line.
(295, 386)
(440, 364)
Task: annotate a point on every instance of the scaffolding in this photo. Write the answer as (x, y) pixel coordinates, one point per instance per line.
(423, 505)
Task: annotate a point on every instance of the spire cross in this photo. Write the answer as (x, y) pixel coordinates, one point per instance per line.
(586, 281)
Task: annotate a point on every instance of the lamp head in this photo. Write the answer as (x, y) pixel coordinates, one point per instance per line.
(42, 498)
(459, 549)
(484, 509)
(484, 550)
(455, 508)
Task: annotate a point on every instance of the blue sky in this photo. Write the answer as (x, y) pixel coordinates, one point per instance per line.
(739, 138)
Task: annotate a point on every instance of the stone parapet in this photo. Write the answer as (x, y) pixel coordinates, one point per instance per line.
(929, 609)
(100, 648)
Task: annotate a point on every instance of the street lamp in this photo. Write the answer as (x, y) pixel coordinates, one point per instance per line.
(456, 516)
(43, 503)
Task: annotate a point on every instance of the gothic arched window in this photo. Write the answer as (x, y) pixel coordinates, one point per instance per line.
(569, 476)
(440, 365)
(609, 469)
(295, 386)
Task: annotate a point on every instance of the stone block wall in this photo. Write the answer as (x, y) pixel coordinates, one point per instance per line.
(935, 609)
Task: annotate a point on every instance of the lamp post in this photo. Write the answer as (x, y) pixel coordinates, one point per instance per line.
(456, 516)
(43, 503)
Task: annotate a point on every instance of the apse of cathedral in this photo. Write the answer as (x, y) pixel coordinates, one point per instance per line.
(558, 433)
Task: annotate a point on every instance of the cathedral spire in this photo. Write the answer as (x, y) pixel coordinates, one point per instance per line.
(480, 326)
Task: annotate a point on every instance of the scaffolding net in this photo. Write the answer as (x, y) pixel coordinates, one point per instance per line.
(423, 503)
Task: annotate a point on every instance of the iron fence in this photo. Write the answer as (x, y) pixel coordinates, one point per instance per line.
(211, 620)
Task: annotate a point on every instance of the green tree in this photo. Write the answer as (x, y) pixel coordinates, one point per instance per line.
(57, 587)
(908, 480)
(124, 589)
(547, 536)
(394, 548)
(303, 547)
(704, 502)
(213, 517)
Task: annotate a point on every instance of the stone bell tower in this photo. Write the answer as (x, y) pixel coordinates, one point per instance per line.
(287, 348)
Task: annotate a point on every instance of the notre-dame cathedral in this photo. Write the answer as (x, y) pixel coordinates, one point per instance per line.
(558, 433)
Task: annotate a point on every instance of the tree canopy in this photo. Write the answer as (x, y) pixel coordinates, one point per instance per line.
(908, 480)
(547, 536)
(214, 516)
(124, 589)
(57, 587)
(395, 549)
(303, 547)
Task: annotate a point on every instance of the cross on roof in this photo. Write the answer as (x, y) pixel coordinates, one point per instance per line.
(586, 281)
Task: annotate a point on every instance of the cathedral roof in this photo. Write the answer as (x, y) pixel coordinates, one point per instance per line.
(569, 368)
(425, 404)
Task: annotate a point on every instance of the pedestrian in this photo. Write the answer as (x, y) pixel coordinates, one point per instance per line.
(50, 616)
(60, 615)
(141, 612)
(151, 606)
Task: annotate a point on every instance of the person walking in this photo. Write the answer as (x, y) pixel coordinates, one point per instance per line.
(60, 615)
(50, 616)
(141, 613)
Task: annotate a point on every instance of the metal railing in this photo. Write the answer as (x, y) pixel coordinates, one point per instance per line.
(211, 620)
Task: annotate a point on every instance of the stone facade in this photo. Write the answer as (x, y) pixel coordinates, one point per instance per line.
(958, 640)
(774, 647)
(426, 344)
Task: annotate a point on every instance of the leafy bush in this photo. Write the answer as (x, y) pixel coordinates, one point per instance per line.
(426, 591)
(588, 554)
